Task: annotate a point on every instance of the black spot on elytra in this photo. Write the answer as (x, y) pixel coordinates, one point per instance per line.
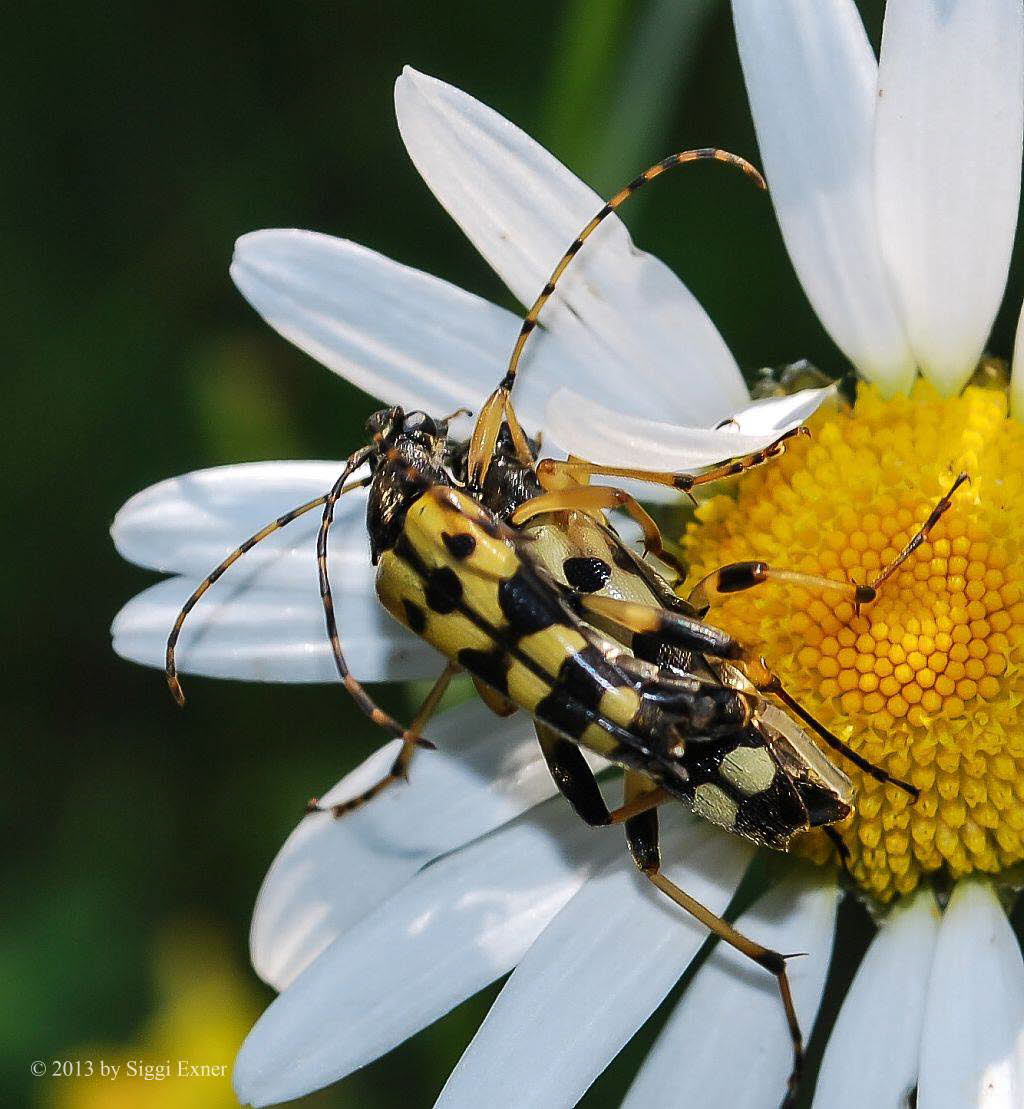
(573, 702)
(588, 574)
(443, 590)
(564, 714)
(491, 667)
(459, 546)
(584, 676)
(772, 816)
(525, 606)
(414, 616)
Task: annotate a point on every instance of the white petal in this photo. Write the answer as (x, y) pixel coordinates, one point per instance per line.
(241, 630)
(460, 923)
(872, 1053)
(733, 1006)
(810, 76)
(331, 873)
(586, 428)
(1017, 379)
(262, 621)
(187, 524)
(774, 415)
(948, 163)
(972, 1044)
(624, 314)
(399, 334)
(594, 976)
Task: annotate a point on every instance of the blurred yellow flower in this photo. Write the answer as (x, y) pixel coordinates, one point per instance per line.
(182, 1056)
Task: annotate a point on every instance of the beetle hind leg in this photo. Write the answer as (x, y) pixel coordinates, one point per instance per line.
(642, 834)
(768, 682)
(578, 785)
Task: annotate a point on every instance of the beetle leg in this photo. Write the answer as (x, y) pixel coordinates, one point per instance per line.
(576, 782)
(736, 577)
(582, 470)
(411, 740)
(595, 500)
(673, 627)
(643, 844)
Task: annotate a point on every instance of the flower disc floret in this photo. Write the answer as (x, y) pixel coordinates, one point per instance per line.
(926, 681)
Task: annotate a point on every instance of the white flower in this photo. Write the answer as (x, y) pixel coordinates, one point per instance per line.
(897, 195)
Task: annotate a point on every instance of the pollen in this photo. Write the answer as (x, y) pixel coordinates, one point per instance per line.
(926, 681)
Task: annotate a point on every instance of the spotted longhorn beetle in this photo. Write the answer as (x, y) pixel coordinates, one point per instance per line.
(507, 564)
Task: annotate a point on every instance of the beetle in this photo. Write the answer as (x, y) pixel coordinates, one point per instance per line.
(508, 566)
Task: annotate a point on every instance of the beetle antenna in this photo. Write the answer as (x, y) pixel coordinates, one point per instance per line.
(170, 664)
(493, 412)
(362, 699)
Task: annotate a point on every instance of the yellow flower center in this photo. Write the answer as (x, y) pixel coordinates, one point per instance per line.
(926, 682)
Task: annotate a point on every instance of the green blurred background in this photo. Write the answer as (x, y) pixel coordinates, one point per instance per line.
(140, 140)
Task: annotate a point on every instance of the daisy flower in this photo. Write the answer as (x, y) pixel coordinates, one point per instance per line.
(896, 185)
(511, 871)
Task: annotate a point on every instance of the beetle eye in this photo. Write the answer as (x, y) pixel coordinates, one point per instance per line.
(383, 421)
(419, 421)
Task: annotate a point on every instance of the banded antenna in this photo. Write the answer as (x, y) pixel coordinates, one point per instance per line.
(497, 408)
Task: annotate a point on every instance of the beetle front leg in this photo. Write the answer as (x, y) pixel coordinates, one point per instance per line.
(582, 470)
(596, 500)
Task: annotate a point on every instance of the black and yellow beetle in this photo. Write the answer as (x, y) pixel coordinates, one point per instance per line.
(508, 566)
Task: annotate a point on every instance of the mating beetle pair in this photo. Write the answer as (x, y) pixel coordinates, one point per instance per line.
(508, 566)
